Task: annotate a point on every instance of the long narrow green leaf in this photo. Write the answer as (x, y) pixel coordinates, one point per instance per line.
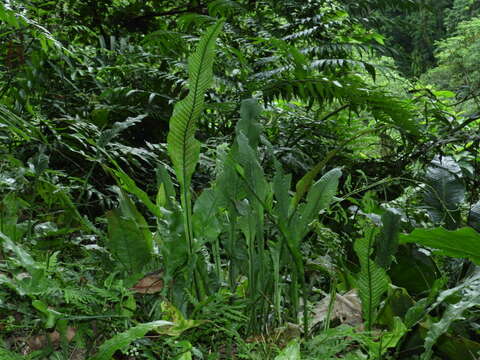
(372, 280)
(183, 148)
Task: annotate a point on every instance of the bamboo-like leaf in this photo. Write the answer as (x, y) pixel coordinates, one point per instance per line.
(183, 148)
(372, 280)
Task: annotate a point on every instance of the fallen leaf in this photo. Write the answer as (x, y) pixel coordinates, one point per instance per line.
(40, 341)
(150, 284)
(347, 308)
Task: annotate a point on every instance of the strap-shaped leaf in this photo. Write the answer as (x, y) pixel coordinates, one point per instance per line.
(183, 148)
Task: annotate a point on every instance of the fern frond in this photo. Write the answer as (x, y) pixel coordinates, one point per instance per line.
(372, 281)
(183, 148)
(225, 8)
(323, 90)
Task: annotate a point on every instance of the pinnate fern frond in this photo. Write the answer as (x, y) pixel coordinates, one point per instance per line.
(372, 281)
(183, 148)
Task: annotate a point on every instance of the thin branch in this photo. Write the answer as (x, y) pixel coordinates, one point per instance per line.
(315, 124)
(177, 11)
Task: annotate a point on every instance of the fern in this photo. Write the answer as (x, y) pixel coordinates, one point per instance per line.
(372, 281)
(183, 148)
(8, 355)
(323, 90)
(225, 8)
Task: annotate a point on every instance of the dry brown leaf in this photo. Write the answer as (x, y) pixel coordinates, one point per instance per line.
(150, 284)
(347, 308)
(40, 341)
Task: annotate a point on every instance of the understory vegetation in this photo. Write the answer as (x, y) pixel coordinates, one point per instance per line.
(220, 179)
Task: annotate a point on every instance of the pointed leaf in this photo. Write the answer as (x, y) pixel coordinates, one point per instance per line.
(183, 148)
(319, 197)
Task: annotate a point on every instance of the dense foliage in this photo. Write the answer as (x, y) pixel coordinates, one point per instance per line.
(242, 179)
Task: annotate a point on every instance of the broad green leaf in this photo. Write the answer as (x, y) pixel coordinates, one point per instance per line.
(397, 304)
(183, 148)
(248, 124)
(387, 339)
(129, 239)
(387, 243)
(445, 191)
(420, 309)
(462, 243)
(180, 323)
(414, 270)
(22, 256)
(122, 340)
(281, 187)
(291, 351)
(474, 216)
(319, 197)
(166, 191)
(250, 170)
(372, 281)
(185, 356)
(50, 314)
(470, 297)
(206, 224)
